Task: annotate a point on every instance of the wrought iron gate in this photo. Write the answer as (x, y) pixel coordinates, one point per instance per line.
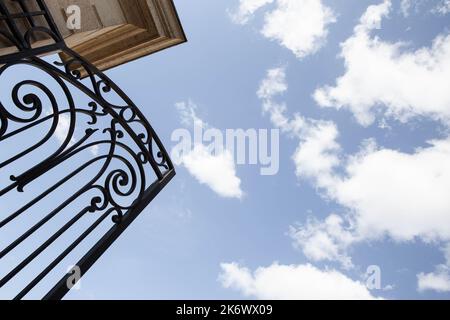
(77, 157)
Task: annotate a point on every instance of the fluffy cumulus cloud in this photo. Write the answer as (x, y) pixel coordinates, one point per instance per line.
(387, 193)
(327, 241)
(298, 25)
(439, 280)
(382, 189)
(292, 282)
(216, 170)
(400, 194)
(387, 76)
(435, 281)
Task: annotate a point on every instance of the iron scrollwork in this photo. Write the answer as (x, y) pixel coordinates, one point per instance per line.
(132, 165)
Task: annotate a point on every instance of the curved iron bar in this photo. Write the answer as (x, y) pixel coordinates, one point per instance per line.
(121, 187)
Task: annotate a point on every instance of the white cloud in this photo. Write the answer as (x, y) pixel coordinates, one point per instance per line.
(387, 193)
(442, 8)
(188, 114)
(95, 150)
(439, 280)
(413, 6)
(62, 130)
(246, 10)
(316, 155)
(324, 241)
(216, 170)
(436, 281)
(371, 19)
(405, 6)
(386, 76)
(439, 7)
(315, 159)
(292, 282)
(298, 25)
(400, 194)
(273, 84)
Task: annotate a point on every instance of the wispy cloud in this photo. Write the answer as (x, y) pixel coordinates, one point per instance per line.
(386, 76)
(442, 8)
(247, 9)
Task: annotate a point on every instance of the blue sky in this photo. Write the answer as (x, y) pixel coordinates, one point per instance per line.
(359, 92)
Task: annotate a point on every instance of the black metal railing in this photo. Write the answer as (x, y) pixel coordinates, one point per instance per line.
(78, 160)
